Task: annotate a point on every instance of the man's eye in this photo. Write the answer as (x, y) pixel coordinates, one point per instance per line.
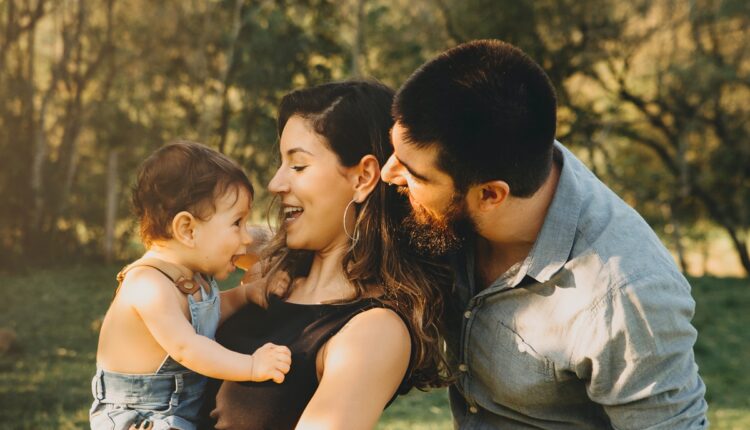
(412, 177)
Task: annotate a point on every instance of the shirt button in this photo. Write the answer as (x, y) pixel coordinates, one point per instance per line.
(467, 314)
(473, 409)
(462, 367)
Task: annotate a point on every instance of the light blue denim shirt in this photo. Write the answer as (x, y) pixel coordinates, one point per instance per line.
(591, 330)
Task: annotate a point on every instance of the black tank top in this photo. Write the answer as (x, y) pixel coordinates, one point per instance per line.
(267, 405)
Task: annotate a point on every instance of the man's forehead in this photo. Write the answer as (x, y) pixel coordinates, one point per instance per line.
(402, 146)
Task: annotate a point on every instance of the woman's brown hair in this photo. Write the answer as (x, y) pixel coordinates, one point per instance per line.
(354, 118)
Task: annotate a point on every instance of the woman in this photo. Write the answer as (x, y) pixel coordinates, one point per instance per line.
(360, 313)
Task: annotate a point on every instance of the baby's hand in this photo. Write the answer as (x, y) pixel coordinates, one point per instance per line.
(271, 362)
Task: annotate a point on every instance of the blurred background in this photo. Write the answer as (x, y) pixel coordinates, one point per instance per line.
(654, 95)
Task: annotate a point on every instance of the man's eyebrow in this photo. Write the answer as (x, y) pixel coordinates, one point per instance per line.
(412, 171)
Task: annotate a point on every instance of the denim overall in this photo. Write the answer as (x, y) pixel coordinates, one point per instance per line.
(169, 398)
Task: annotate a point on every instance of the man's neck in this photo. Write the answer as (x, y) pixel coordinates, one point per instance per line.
(507, 240)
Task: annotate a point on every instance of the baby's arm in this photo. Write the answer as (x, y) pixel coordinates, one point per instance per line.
(251, 289)
(156, 301)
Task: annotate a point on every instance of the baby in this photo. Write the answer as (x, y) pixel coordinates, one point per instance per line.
(156, 343)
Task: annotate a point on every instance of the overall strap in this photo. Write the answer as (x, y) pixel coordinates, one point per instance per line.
(175, 273)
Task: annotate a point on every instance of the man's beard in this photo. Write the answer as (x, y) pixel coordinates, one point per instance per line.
(436, 236)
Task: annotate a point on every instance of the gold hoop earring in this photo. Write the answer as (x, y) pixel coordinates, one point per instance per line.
(354, 238)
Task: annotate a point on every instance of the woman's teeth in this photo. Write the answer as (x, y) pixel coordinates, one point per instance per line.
(291, 212)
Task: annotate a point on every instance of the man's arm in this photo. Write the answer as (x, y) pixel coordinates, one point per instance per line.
(637, 355)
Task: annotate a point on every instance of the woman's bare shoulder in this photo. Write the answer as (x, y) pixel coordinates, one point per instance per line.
(377, 336)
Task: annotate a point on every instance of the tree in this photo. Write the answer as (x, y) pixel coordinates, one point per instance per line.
(676, 86)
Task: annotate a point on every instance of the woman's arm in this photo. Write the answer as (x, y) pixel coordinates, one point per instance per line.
(363, 366)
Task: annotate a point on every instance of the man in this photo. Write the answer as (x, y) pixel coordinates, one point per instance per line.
(567, 312)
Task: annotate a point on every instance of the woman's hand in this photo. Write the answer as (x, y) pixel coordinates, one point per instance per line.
(257, 289)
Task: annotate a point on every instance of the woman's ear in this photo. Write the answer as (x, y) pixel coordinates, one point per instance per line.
(367, 176)
(183, 228)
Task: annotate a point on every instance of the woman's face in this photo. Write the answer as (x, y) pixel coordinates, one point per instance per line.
(314, 189)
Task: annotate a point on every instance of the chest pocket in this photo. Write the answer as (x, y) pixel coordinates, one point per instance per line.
(519, 374)
(205, 314)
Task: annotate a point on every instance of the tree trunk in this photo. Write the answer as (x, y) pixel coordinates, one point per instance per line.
(32, 237)
(113, 181)
(226, 110)
(359, 38)
(679, 249)
(741, 247)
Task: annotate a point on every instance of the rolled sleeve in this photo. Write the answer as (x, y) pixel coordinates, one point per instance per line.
(637, 356)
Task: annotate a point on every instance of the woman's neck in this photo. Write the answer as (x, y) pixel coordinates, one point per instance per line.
(326, 281)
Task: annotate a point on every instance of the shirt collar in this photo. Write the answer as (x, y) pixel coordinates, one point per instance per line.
(552, 247)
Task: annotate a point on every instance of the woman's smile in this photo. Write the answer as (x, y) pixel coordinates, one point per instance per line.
(291, 213)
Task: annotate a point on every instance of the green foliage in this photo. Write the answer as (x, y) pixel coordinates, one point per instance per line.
(653, 94)
(722, 347)
(44, 382)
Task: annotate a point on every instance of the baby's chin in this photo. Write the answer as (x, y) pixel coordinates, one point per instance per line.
(222, 275)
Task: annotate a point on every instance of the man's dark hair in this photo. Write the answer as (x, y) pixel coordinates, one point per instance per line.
(489, 108)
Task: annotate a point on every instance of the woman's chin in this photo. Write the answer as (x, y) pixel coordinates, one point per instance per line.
(299, 244)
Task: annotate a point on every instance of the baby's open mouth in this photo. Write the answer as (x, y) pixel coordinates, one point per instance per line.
(245, 261)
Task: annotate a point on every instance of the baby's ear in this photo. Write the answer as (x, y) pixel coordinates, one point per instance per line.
(183, 228)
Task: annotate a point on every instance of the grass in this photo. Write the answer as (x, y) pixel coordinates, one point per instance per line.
(44, 381)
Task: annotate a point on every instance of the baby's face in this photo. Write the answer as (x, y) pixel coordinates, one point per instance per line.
(224, 236)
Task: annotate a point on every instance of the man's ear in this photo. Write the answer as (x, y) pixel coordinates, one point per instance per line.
(183, 228)
(366, 177)
(490, 195)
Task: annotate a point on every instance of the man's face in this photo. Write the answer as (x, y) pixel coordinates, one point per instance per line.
(439, 219)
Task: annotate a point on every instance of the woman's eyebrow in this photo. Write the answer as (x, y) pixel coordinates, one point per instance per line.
(298, 149)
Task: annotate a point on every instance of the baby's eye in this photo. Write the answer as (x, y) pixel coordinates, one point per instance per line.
(238, 222)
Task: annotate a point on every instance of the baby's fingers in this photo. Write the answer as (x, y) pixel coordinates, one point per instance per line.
(277, 376)
(283, 350)
(283, 367)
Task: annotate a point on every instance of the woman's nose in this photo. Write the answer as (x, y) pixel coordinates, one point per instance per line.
(278, 183)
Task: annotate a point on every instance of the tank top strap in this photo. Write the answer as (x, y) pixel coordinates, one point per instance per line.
(173, 272)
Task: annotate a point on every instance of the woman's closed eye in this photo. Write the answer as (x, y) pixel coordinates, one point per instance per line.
(298, 167)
